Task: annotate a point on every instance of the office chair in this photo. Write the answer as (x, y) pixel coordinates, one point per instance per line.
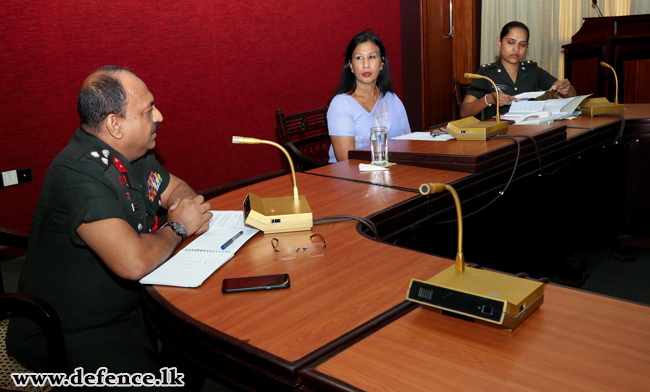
(306, 138)
(35, 309)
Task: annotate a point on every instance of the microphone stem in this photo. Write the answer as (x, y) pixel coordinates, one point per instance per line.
(293, 171)
(460, 257)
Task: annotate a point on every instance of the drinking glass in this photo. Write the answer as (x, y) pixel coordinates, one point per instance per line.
(379, 146)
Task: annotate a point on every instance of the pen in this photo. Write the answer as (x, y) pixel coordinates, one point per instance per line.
(230, 241)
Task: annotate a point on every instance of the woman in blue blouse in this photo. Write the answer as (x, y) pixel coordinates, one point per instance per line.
(364, 98)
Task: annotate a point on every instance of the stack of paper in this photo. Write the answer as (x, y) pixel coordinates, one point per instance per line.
(196, 262)
(558, 107)
(424, 136)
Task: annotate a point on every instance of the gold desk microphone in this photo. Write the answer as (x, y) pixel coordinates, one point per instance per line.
(490, 298)
(601, 106)
(470, 128)
(429, 189)
(276, 214)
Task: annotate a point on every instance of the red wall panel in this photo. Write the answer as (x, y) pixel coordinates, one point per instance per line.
(216, 69)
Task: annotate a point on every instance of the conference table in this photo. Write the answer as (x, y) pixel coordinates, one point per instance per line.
(344, 324)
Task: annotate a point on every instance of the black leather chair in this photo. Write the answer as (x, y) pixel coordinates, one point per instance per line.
(35, 309)
(306, 138)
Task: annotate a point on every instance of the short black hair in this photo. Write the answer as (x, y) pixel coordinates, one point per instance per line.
(513, 25)
(348, 83)
(103, 96)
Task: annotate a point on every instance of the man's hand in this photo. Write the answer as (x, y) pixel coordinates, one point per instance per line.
(192, 213)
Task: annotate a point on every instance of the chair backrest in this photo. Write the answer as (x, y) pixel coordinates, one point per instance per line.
(33, 308)
(306, 137)
(43, 314)
(14, 239)
(460, 91)
(12, 245)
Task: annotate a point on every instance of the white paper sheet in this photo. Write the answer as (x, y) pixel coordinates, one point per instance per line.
(424, 136)
(558, 107)
(196, 262)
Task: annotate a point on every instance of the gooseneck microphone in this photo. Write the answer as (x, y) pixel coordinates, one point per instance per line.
(429, 189)
(276, 214)
(497, 300)
(476, 76)
(604, 64)
(595, 6)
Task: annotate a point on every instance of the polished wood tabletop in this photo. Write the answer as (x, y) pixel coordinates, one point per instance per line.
(638, 111)
(265, 340)
(469, 156)
(584, 124)
(330, 297)
(576, 341)
(398, 176)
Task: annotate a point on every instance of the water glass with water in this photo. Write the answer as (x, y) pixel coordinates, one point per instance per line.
(379, 146)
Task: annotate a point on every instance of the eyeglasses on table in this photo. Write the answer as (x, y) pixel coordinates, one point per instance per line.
(315, 249)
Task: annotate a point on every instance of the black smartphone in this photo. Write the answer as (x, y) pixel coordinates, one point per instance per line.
(254, 283)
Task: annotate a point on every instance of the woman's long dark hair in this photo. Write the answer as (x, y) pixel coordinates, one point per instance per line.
(348, 83)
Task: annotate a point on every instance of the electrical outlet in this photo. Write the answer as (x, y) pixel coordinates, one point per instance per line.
(10, 178)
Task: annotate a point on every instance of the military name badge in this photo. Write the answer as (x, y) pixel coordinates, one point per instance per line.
(153, 184)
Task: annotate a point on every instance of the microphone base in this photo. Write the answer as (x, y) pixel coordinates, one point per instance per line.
(489, 298)
(470, 128)
(278, 214)
(598, 106)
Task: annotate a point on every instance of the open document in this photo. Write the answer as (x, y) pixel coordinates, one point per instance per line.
(424, 136)
(559, 108)
(191, 266)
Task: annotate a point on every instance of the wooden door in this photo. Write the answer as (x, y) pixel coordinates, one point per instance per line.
(437, 50)
(430, 61)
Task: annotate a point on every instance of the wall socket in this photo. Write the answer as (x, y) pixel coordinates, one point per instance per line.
(14, 177)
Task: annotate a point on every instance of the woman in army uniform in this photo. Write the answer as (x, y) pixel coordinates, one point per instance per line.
(512, 76)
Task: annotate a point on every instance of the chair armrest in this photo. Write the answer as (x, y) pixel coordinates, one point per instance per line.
(14, 239)
(43, 314)
(293, 149)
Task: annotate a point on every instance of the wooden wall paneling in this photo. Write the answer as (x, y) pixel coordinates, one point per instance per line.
(637, 80)
(430, 67)
(464, 52)
(614, 40)
(437, 63)
(411, 28)
(630, 73)
(633, 66)
(466, 45)
(583, 70)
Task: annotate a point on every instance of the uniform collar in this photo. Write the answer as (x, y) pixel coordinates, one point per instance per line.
(87, 140)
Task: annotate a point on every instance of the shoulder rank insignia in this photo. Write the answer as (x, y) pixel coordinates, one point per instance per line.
(153, 184)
